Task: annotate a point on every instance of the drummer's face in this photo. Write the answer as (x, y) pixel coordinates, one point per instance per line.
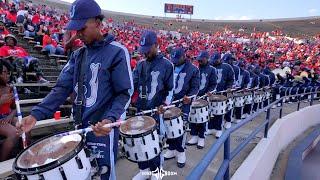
(152, 53)
(203, 62)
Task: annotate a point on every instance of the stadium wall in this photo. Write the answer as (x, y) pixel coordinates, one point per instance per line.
(260, 162)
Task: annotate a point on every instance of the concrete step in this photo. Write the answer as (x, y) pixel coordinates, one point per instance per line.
(51, 78)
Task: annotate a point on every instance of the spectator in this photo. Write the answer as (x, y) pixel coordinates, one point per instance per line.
(7, 113)
(21, 18)
(29, 29)
(3, 33)
(20, 59)
(51, 45)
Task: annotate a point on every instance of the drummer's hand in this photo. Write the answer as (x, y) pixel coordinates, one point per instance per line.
(26, 124)
(160, 110)
(186, 100)
(99, 130)
(228, 90)
(209, 94)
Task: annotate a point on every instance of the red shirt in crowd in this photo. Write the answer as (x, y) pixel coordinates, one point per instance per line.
(48, 40)
(12, 16)
(36, 19)
(16, 51)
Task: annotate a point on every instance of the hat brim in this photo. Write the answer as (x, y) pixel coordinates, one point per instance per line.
(76, 24)
(144, 49)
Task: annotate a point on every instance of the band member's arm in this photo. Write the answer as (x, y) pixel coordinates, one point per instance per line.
(58, 94)
(121, 79)
(230, 78)
(169, 84)
(212, 80)
(246, 79)
(136, 73)
(195, 83)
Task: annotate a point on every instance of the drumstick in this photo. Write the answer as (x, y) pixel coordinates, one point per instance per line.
(16, 99)
(89, 129)
(153, 110)
(180, 100)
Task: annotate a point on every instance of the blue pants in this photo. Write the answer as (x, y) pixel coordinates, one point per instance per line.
(198, 129)
(176, 144)
(215, 122)
(153, 164)
(104, 149)
(247, 109)
(228, 115)
(237, 112)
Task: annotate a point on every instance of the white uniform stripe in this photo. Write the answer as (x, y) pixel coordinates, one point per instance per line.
(123, 116)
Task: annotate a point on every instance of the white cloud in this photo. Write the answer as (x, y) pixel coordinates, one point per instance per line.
(312, 11)
(231, 17)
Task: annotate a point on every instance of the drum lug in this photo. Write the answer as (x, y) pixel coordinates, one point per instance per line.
(152, 136)
(146, 153)
(136, 156)
(143, 141)
(63, 174)
(79, 163)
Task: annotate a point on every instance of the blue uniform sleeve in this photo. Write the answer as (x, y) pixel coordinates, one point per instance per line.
(230, 77)
(136, 73)
(195, 83)
(169, 84)
(59, 93)
(121, 79)
(246, 79)
(212, 80)
(262, 81)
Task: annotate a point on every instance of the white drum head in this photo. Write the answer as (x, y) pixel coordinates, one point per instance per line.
(48, 150)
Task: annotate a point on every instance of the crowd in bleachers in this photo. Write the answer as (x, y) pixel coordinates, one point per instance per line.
(44, 25)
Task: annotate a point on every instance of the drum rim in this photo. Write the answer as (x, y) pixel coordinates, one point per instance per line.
(51, 165)
(139, 135)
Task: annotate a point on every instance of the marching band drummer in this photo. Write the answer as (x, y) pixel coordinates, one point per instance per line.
(187, 82)
(153, 79)
(229, 59)
(243, 82)
(225, 79)
(99, 75)
(253, 83)
(208, 83)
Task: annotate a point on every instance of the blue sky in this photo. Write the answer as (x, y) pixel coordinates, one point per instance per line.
(220, 9)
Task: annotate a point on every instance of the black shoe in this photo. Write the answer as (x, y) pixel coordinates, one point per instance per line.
(200, 147)
(181, 165)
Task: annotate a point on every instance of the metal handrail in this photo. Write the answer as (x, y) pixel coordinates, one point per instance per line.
(223, 172)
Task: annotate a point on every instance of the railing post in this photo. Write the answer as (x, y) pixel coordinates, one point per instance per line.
(226, 155)
(280, 114)
(266, 129)
(299, 100)
(311, 101)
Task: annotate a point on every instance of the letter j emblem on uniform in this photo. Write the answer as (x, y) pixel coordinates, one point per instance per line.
(143, 42)
(72, 11)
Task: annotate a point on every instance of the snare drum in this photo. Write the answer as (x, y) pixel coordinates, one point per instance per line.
(267, 93)
(173, 123)
(230, 101)
(199, 111)
(248, 97)
(258, 97)
(140, 138)
(218, 104)
(239, 99)
(55, 158)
